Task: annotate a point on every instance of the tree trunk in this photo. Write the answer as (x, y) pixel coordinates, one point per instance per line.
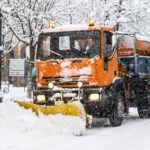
(30, 66)
(29, 81)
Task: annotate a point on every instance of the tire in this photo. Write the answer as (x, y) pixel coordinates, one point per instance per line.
(143, 99)
(144, 110)
(117, 111)
(118, 108)
(143, 104)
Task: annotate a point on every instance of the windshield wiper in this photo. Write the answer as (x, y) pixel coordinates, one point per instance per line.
(74, 48)
(55, 53)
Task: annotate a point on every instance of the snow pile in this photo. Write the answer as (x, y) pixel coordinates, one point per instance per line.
(15, 93)
(17, 120)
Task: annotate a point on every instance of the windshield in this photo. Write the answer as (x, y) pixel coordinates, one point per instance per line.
(144, 65)
(75, 44)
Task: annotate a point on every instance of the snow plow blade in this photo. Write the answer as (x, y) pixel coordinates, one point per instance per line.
(71, 109)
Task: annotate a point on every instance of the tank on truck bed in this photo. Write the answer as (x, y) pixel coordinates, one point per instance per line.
(127, 44)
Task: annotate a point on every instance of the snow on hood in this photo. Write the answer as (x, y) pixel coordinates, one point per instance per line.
(65, 63)
(67, 71)
(70, 71)
(17, 120)
(85, 70)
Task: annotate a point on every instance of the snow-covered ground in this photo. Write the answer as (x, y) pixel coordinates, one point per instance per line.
(20, 129)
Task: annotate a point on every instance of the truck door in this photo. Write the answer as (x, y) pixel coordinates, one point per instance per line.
(110, 58)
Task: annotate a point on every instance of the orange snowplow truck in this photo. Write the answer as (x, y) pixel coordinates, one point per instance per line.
(80, 63)
(134, 53)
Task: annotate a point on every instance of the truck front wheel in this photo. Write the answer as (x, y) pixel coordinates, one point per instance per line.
(118, 110)
(118, 107)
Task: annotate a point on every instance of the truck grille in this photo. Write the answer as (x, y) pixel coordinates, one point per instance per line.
(71, 80)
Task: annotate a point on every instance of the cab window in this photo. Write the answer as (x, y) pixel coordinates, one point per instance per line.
(108, 44)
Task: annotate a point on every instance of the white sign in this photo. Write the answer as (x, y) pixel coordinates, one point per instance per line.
(16, 67)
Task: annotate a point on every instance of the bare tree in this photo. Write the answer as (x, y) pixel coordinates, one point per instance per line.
(25, 18)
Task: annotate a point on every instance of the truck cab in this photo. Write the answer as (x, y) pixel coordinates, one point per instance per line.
(80, 63)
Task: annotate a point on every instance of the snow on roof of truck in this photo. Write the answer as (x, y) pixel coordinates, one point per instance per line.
(67, 28)
(72, 27)
(138, 37)
(143, 38)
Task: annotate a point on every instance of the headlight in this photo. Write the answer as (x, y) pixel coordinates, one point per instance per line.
(94, 97)
(50, 85)
(80, 84)
(41, 98)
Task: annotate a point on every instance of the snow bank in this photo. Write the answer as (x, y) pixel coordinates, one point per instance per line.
(17, 120)
(15, 93)
(20, 129)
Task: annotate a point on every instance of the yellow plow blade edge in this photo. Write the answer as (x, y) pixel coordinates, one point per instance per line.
(71, 109)
(64, 109)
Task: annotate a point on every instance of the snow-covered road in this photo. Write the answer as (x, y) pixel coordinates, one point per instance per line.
(134, 134)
